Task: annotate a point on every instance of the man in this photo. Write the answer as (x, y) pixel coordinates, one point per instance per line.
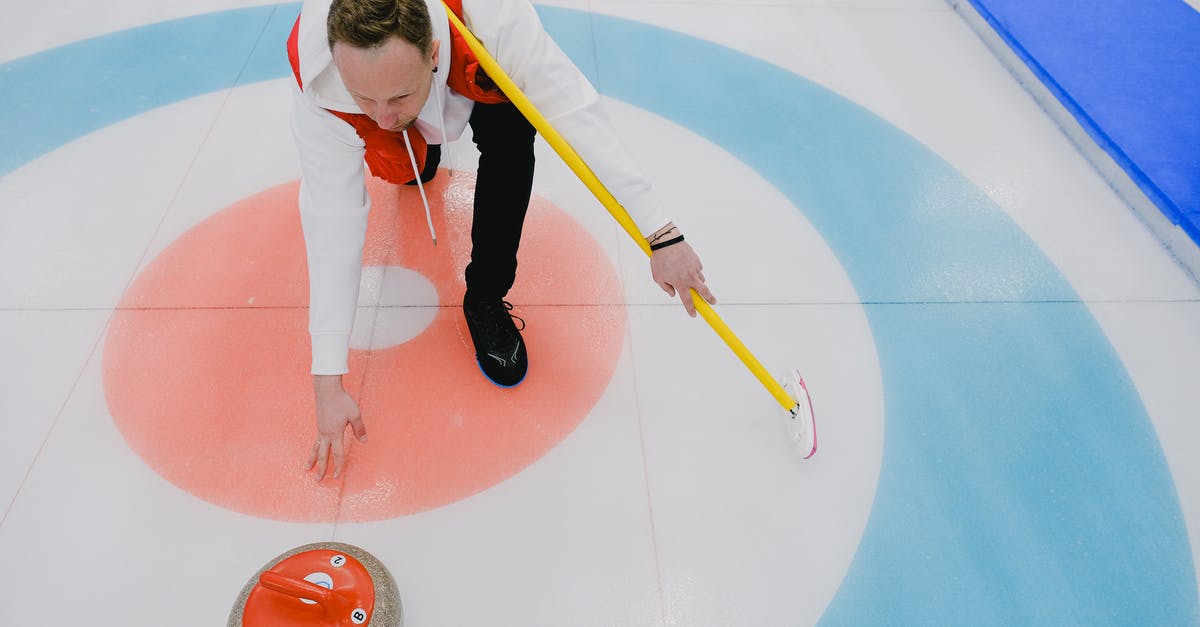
(389, 81)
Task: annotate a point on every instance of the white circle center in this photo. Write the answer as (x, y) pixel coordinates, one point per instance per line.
(321, 579)
(395, 304)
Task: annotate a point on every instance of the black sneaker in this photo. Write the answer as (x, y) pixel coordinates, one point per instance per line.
(499, 348)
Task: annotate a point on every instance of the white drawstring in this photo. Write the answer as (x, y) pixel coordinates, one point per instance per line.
(437, 94)
(420, 186)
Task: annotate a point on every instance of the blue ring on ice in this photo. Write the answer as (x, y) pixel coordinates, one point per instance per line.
(1021, 478)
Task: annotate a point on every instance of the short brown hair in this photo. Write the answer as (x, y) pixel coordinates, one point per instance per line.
(370, 23)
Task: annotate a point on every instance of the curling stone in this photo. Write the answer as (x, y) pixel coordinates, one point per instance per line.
(327, 584)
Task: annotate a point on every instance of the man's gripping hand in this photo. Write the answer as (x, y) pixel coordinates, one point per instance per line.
(677, 270)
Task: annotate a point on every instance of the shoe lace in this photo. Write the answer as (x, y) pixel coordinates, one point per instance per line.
(490, 316)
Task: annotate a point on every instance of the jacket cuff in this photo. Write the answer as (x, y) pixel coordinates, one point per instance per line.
(330, 352)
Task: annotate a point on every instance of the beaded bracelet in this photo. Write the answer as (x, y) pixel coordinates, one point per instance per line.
(661, 234)
(673, 240)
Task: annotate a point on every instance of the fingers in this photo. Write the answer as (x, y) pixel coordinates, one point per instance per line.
(322, 458)
(333, 448)
(686, 298)
(339, 457)
(685, 295)
(312, 457)
(322, 451)
(360, 430)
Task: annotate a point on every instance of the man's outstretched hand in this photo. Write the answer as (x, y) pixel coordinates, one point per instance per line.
(335, 409)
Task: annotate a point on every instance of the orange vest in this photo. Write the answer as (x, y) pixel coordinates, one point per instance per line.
(386, 155)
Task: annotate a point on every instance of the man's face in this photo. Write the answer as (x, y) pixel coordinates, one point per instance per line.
(389, 83)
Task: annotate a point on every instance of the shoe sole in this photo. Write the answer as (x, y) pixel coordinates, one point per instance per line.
(497, 383)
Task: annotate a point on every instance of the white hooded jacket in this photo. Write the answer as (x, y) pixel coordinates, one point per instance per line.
(333, 198)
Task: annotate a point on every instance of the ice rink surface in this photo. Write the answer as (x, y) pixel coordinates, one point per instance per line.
(1001, 356)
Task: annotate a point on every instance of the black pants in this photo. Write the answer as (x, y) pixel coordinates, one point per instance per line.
(502, 191)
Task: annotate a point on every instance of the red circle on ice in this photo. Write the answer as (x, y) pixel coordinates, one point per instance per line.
(206, 360)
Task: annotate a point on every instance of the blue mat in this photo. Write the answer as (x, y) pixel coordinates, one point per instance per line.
(1129, 71)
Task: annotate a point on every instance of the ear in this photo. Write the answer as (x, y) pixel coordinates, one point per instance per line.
(437, 43)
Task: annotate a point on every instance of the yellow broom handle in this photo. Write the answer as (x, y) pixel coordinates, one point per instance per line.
(585, 174)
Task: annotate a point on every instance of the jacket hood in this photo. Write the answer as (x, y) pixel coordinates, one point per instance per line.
(323, 83)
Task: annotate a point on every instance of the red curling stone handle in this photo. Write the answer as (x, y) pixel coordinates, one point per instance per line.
(291, 586)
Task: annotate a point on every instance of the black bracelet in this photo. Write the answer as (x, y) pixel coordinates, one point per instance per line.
(660, 245)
